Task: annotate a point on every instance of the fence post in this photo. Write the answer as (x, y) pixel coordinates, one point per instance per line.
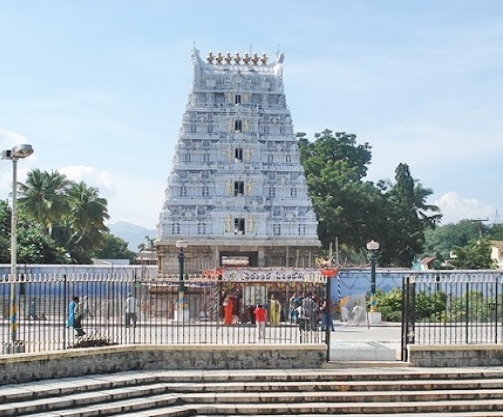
(408, 315)
(65, 309)
(327, 312)
(467, 315)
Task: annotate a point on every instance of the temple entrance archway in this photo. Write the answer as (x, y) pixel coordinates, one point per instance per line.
(233, 259)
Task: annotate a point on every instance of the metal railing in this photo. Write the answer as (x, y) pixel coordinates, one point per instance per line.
(42, 301)
(452, 307)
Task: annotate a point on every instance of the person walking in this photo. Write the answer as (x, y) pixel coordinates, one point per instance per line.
(260, 314)
(78, 315)
(71, 312)
(74, 316)
(131, 310)
(326, 317)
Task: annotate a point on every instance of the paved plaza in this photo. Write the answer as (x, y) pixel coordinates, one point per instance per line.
(362, 343)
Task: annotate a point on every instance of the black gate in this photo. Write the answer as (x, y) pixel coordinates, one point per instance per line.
(451, 307)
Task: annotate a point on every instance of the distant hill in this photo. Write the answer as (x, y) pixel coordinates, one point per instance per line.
(133, 234)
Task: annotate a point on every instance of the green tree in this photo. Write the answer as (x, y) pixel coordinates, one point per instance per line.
(475, 255)
(113, 248)
(5, 227)
(390, 304)
(85, 219)
(346, 206)
(441, 240)
(472, 305)
(71, 214)
(36, 247)
(431, 305)
(33, 243)
(43, 197)
(408, 216)
(495, 232)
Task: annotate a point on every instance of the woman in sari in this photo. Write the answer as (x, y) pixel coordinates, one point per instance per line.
(228, 309)
(274, 311)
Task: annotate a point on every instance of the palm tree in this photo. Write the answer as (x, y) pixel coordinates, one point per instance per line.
(85, 220)
(43, 197)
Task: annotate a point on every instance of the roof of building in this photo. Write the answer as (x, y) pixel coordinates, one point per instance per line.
(111, 261)
(498, 244)
(428, 260)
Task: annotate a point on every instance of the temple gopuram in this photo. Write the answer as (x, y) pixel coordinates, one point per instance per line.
(237, 193)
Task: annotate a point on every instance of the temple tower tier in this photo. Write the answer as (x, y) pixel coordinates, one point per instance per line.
(237, 192)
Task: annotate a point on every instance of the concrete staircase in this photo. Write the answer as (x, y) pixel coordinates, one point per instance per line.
(376, 392)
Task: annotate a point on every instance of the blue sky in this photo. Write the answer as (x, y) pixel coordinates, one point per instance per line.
(98, 88)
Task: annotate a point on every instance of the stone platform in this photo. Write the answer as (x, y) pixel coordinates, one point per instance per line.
(361, 351)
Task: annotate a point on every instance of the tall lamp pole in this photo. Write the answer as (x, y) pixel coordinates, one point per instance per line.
(181, 245)
(372, 247)
(15, 154)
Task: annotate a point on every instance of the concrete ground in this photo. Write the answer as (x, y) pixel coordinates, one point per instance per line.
(362, 343)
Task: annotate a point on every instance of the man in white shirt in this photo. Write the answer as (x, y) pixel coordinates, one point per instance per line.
(131, 308)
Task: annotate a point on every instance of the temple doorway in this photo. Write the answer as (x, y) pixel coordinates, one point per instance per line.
(238, 259)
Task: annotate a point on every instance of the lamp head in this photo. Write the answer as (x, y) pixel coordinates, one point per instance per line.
(22, 151)
(18, 152)
(373, 245)
(181, 244)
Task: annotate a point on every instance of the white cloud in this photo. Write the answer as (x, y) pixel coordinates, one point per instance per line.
(11, 139)
(454, 208)
(91, 176)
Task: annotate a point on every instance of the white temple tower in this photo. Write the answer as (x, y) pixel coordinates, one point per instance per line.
(237, 191)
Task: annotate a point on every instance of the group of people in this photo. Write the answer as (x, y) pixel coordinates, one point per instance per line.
(232, 313)
(78, 309)
(310, 312)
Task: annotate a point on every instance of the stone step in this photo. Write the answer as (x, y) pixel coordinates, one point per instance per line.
(268, 392)
(244, 379)
(120, 400)
(166, 412)
(139, 407)
(340, 386)
(150, 385)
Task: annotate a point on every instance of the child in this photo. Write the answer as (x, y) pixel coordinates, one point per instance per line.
(260, 314)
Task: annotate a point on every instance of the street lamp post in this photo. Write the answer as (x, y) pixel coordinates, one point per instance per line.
(181, 245)
(15, 154)
(374, 315)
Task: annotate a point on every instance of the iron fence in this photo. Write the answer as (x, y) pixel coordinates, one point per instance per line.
(166, 312)
(461, 307)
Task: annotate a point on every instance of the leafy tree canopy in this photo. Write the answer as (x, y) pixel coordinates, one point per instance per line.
(113, 248)
(59, 221)
(475, 255)
(357, 211)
